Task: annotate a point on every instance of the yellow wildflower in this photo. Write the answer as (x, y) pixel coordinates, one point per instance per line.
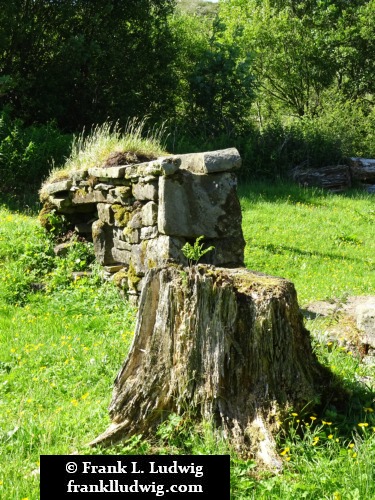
(330, 436)
(363, 424)
(285, 451)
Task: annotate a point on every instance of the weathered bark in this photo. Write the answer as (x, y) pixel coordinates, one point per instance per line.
(362, 169)
(227, 345)
(334, 178)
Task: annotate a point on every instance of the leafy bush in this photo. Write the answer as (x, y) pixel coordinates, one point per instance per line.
(27, 154)
(79, 258)
(343, 130)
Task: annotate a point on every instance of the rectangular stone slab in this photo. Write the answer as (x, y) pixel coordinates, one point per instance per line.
(223, 160)
(194, 205)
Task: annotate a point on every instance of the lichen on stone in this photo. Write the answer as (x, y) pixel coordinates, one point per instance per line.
(120, 279)
(121, 214)
(133, 278)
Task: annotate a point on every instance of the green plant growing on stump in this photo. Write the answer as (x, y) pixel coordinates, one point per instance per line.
(195, 252)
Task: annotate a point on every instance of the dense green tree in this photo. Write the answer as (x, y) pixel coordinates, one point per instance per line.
(81, 61)
(302, 48)
(215, 79)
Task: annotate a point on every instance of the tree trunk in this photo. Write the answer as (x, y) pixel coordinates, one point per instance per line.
(226, 345)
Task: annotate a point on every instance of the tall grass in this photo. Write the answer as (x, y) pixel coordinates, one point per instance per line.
(93, 149)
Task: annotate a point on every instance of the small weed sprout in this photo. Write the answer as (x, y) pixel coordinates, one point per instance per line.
(195, 252)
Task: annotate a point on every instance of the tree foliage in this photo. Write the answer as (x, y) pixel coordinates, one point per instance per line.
(80, 61)
(274, 78)
(303, 48)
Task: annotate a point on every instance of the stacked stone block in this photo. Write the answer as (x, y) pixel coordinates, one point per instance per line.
(139, 216)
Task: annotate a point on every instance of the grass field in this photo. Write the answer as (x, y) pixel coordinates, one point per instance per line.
(324, 243)
(61, 349)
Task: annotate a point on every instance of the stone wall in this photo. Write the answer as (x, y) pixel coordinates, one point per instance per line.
(139, 216)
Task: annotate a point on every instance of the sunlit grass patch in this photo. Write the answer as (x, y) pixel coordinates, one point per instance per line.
(324, 243)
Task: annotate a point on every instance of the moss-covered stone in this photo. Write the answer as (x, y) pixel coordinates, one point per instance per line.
(121, 214)
(43, 216)
(97, 229)
(133, 278)
(120, 279)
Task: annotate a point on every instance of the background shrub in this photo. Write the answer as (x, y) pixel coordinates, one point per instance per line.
(27, 154)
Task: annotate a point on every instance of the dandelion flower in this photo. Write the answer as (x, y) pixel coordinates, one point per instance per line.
(330, 436)
(312, 418)
(351, 445)
(363, 424)
(285, 451)
(295, 414)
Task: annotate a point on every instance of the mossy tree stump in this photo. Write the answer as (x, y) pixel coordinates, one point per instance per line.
(227, 345)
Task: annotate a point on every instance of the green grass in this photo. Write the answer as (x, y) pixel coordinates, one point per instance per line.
(324, 243)
(60, 351)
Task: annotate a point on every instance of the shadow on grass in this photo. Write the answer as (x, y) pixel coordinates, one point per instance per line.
(260, 191)
(284, 249)
(349, 404)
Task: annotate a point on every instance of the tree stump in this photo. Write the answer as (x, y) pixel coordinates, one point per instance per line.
(227, 345)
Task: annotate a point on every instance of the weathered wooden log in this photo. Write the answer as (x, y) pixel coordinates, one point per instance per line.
(362, 169)
(335, 178)
(226, 345)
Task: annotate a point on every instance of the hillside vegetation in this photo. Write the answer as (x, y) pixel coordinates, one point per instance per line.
(287, 83)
